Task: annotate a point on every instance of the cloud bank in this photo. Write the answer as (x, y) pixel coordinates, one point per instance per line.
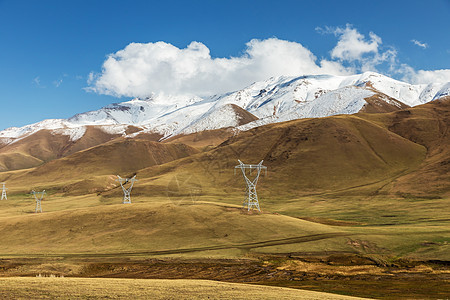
(424, 76)
(141, 69)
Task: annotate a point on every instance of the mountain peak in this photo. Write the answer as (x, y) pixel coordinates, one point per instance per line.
(276, 99)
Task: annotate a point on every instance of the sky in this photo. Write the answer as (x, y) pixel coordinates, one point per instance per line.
(59, 58)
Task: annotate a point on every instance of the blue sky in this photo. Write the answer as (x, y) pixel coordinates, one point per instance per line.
(49, 49)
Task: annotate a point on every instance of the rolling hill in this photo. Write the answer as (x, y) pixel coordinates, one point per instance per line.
(389, 152)
(46, 145)
(90, 170)
(426, 125)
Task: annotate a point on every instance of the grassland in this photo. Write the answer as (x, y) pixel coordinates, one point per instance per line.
(183, 226)
(351, 204)
(184, 237)
(101, 288)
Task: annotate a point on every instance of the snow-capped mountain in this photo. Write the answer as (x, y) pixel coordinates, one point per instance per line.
(274, 100)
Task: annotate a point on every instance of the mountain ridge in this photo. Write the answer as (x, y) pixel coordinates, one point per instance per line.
(171, 115)
(163, 117)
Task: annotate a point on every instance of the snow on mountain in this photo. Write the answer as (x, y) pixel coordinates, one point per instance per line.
(409, 94)
(345, 100)
(228, 115)
(74, 133)
(134, 112)
(16, 132)
(274, 100)
(443, 92)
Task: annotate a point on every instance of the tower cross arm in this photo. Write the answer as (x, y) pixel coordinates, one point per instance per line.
(126, 191)
(250, 166)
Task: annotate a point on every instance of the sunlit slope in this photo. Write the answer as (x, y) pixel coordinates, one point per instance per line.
(17, 161)
(303, 157)
(203, 140)
(399, 153)
(166, 227)
(86, 170)
(45, 145)
(100, 288)
(162, 228)
(396, 153)
(427, 125)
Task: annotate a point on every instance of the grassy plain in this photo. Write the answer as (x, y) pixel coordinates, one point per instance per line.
(323, 242)
(113, 288)
(92, 224)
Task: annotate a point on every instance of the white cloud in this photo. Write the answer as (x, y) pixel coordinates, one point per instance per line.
(352, 45)
(417, 43)
(354, 48)
(142, 69)
(424, 76)
(429, 76)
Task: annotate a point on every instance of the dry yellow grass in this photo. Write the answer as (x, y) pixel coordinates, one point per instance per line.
(167, 227)
(107, 288)
(155, 227)
(336, 168)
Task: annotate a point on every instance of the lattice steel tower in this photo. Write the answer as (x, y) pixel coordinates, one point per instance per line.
(4, 191)
(252, 198)
(38, 196)
(126, 191)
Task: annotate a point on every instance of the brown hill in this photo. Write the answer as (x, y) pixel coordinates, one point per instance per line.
(404, 152)
(17, 161)
(308, 156)
(243, 115)
(44, 146)
(204, 140)
(382, 103)
(79, 171)
(426, 125)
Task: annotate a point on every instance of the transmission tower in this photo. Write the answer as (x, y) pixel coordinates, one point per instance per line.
(4, 192)
(126, 191)
(252, 198)
(38, 196)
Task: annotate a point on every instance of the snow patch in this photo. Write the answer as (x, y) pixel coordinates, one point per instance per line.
(74, 133)
(274, 100)
(224, 116)
(114, 129)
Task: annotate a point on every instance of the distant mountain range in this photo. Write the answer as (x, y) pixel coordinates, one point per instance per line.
(163, 117)
(274, 100)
